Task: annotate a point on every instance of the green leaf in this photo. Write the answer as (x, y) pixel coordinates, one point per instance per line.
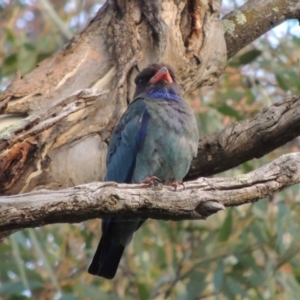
(258, 232)
(196, 284)
(143, 291)
(16, 297)
(249, 56)
(41, 56)
(219, 276)
(11, 59)
(247, 167)
(235, 287)
(10, 36)
(29, 47)
(89, 291)
(225, 230)
(16, 287)
(68, 296)
(282, 82)
(296, 273)
(226, 110)
(10, 64)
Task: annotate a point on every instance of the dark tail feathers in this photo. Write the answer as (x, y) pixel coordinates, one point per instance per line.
(106, 259)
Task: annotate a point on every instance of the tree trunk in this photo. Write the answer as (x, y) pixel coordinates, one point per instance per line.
(73, 100)
(63, 141)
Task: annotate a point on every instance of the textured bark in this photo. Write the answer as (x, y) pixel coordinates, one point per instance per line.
(123, 38)
(253, 138)
(217, 152)
(63, 141)
(196, 200)
(29, 139)
(254, 18)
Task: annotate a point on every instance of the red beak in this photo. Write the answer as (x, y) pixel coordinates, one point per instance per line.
(161, 74)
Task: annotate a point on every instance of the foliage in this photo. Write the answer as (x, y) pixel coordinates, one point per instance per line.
(250, 252)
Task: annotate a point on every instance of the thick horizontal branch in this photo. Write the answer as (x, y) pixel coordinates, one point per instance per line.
(197, 200)
(242, 141)
(254, 18)
(217, 152)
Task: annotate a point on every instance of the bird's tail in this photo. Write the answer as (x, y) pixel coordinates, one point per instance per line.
(116, 235)
(106, 259)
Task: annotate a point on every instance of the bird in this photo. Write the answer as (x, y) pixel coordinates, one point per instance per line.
(156, 137)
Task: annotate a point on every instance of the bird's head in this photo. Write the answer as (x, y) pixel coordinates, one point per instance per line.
(154, 78)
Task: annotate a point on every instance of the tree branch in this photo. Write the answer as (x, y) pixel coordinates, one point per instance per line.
(197, 200)
(253, 138)
(217, 152)
(254, 18)
(33, 154)
(49, 9)
(95, 58)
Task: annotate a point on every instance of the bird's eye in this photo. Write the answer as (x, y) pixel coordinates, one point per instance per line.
(141, 81)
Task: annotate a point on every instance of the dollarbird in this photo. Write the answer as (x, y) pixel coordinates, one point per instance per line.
(156, 136)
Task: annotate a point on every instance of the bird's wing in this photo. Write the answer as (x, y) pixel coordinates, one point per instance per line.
(127, 140)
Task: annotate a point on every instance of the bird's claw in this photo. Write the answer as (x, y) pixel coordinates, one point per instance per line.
(152, 180)
(176, 184)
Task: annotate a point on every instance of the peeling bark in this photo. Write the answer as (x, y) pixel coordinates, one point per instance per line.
(122, 39)
(28, 141)
(275, 126)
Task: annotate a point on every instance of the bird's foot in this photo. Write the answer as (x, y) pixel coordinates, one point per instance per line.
(176, 184)
(152, 180)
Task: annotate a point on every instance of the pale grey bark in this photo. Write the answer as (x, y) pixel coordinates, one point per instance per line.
(122, 39)
(195, 200)
(64, 140)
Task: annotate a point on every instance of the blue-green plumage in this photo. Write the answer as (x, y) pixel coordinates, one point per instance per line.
(156, 136)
